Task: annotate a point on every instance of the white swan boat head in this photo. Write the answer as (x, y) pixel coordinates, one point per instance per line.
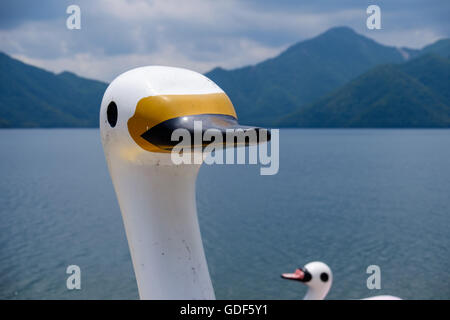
(317, 276)
(139, 112)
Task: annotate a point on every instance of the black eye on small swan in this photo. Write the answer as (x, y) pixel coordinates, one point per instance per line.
(324, 277)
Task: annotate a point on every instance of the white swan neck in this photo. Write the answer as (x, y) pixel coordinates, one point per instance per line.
(159, 212)
(313, 294)
(316, 293)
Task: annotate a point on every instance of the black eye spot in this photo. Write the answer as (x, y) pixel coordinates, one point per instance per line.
(307, 277)
(324, 277)
(112, 114)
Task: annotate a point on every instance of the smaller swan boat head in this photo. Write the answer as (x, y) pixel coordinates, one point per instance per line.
(318, 277)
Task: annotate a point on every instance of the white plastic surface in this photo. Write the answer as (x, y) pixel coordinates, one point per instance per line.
(156, 197)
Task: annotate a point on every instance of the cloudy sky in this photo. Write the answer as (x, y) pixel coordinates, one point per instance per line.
(198, 34)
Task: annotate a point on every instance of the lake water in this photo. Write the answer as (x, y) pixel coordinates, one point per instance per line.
(350, 198)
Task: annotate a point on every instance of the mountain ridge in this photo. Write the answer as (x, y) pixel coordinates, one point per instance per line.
(409, 95)
(263, 94)
(33, 97)
(300, 74)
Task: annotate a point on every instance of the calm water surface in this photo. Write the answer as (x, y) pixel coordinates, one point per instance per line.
(350, 198)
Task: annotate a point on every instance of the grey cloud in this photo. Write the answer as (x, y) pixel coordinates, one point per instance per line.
(15, 12)
(198, 34)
